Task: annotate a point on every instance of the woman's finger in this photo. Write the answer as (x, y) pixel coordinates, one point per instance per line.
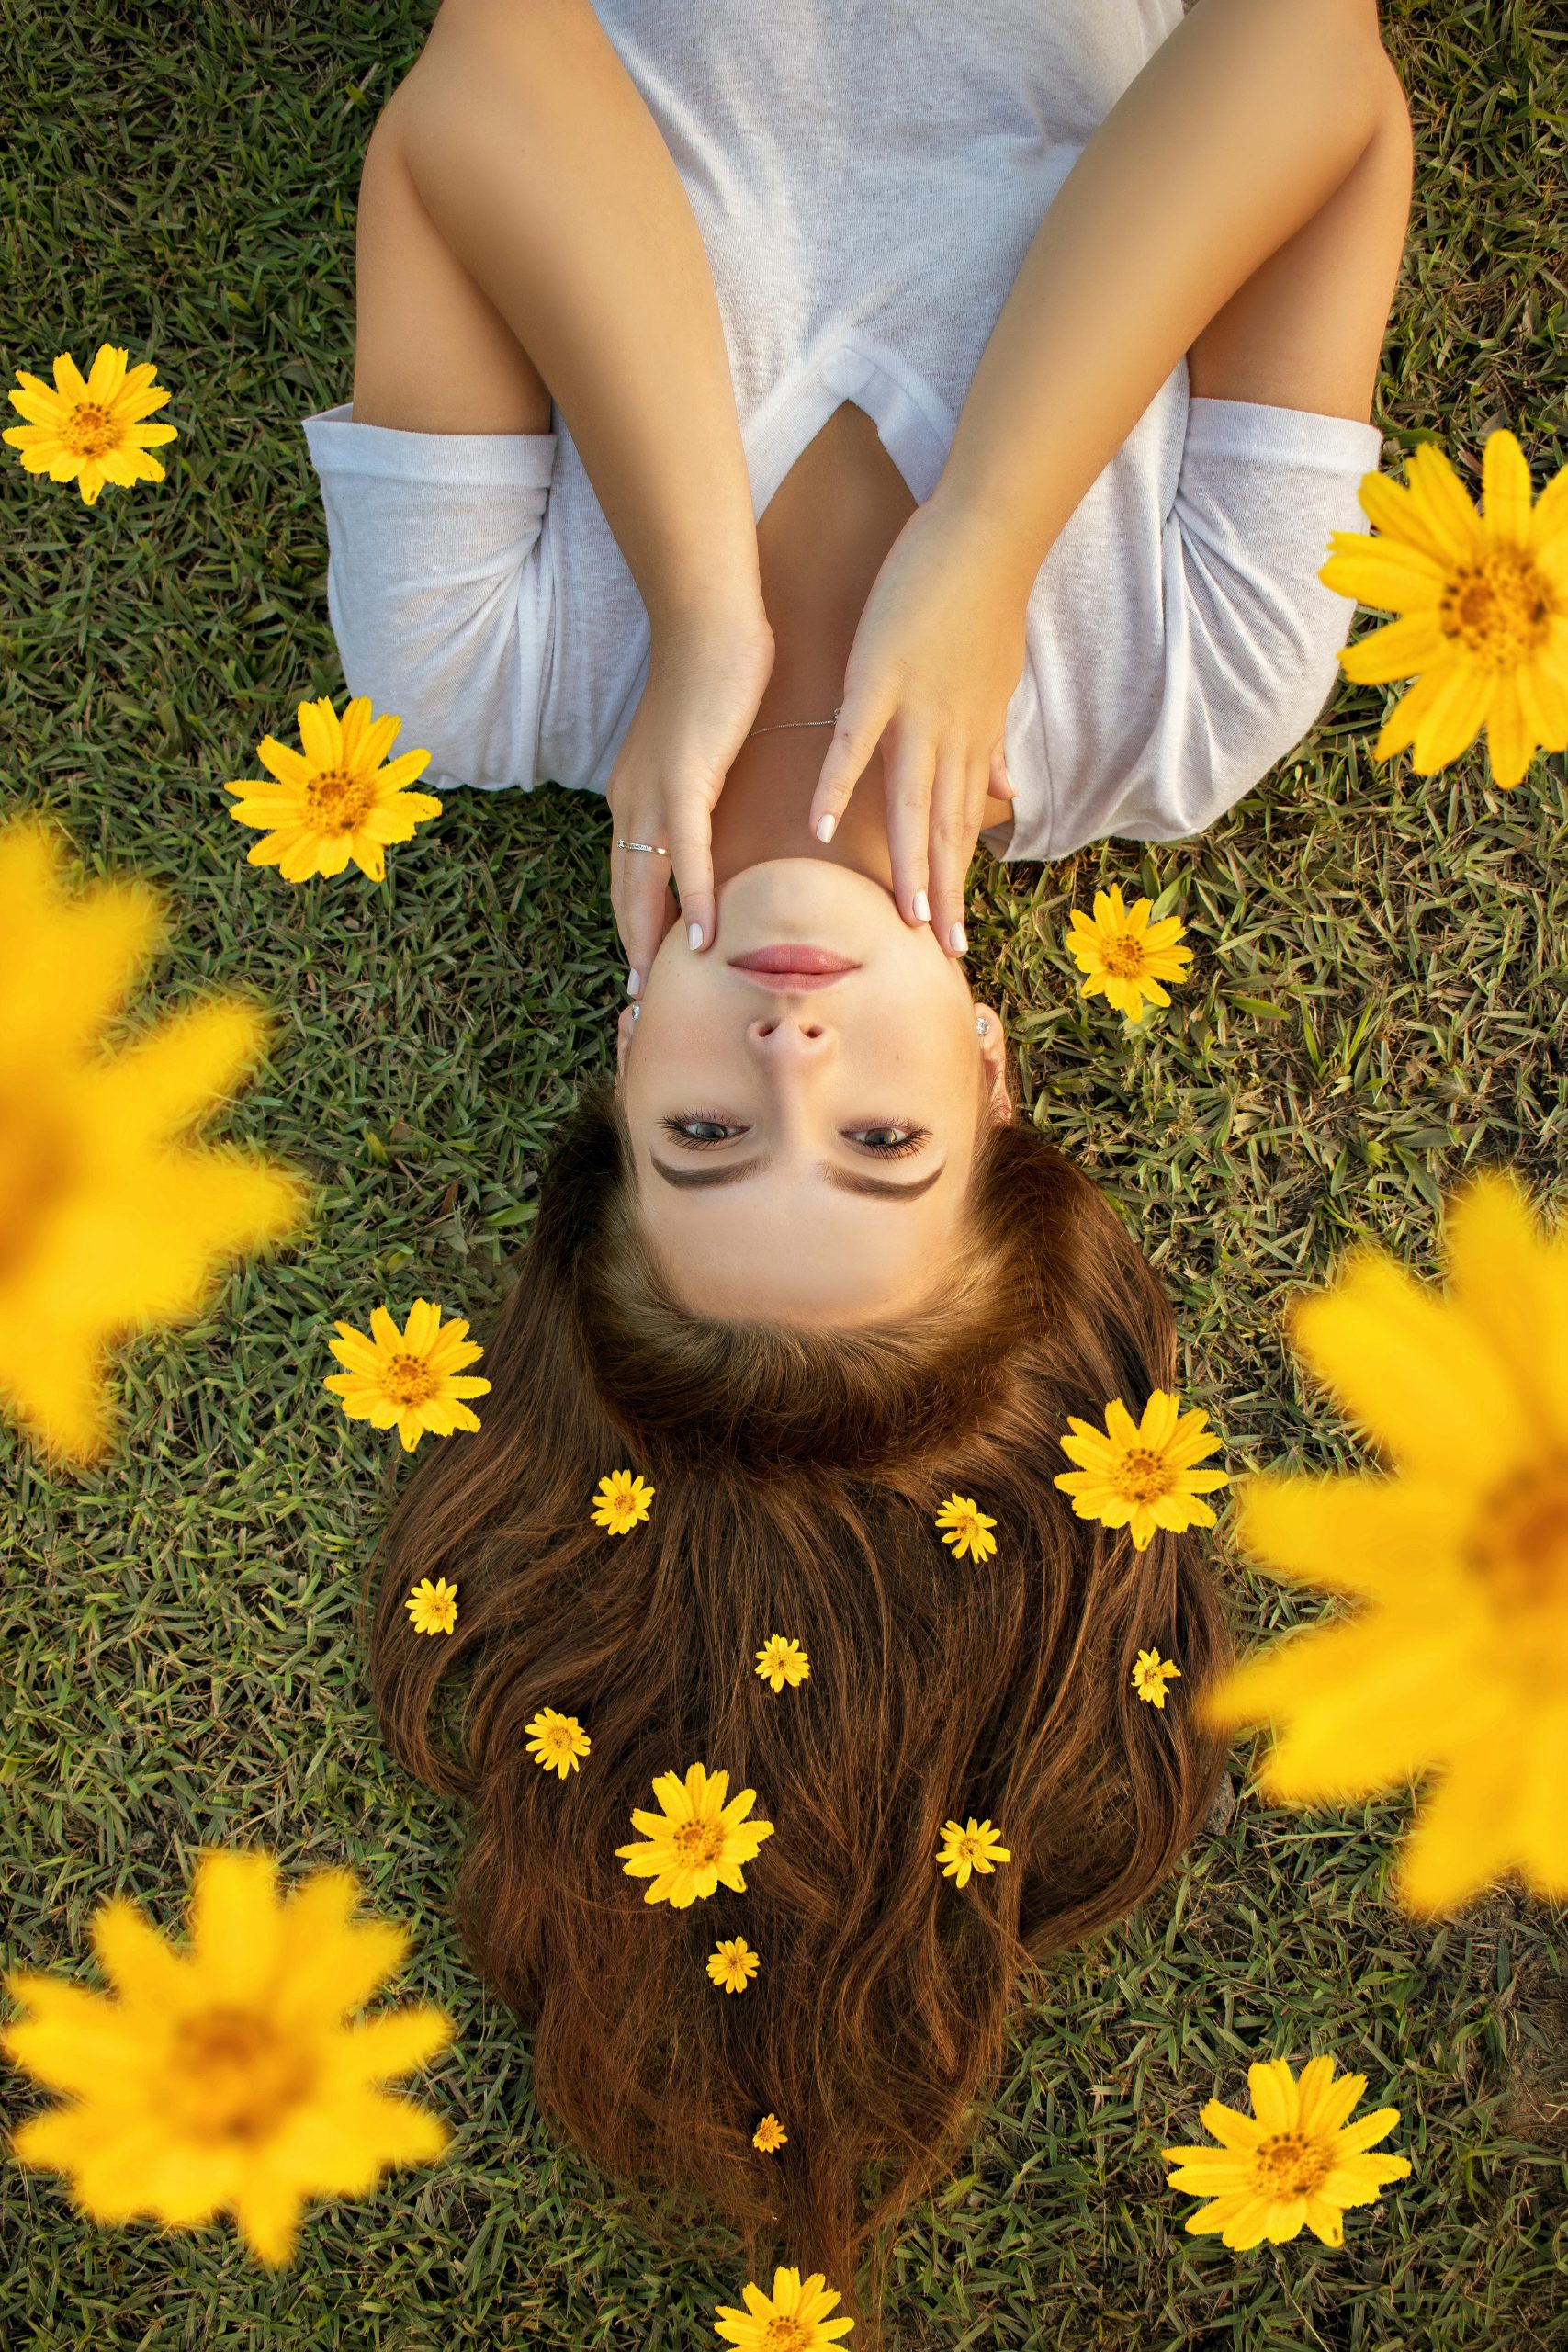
(640, 892)
(1002, 783)
(691, 859)
(950, 843)
(849, 755)
(907, 768)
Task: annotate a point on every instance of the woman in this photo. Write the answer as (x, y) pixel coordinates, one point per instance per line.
(665, 316)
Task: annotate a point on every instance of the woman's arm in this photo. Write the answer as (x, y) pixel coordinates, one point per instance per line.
(1236, 136)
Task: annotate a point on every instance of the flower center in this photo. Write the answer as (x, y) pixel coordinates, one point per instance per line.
(92, 430)
(1499, 606)
(407, 1380)
(1520, 1544)
(1288, 2166)
(1142, 1475)
(699, 1842)
(336, 801)
(36, 1164)
(1123, 956)
(234, 2077)
(784, 2335)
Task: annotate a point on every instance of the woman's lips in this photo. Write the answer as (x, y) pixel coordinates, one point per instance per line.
(793, 958)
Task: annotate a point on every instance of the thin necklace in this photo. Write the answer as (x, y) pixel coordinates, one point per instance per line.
(791, 722)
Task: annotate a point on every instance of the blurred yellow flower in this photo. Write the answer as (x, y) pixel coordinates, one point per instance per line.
(976, 1847)
(337, 802)
(91, 432)
(410, 1378)
(734, 1964)
(770, 2135)
(433, 1607)
(225, 2077)
(620, 1501)
(1151, 1675)
(793, 2319)
(780, 1661)
(555, 1742)
(109, 1226)
(1456, 1667)
(1484, 600)
(1141, 1475)
(1293, 2164)
(965, 1527)
(696, 1839)
(1125, 955)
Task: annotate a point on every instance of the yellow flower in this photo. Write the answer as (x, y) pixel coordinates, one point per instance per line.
(337, 802)
(733, 1965)
(793, 2319)
(1294, 2162)
(225, 2077)
(695, 1840)
(780, 1661)
(770, 2135)
(1125, 955)
(109, 1226)
(433, 1607)
(1142, 1476)
(976, 1847)
(1484, 600)
(620, 1501)
(409, 1377)
(1151, 1675)
(556, 1742)
(966, 1528)
(91, 433)
(1455, 1667)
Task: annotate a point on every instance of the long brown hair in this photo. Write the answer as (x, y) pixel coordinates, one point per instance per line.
(796, 1474)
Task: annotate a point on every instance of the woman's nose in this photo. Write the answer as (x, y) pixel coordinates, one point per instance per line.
(792, 1035)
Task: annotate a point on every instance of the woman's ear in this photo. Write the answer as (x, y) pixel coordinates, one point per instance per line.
(993, 1054)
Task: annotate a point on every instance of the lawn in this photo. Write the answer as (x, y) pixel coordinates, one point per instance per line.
(181, 1622)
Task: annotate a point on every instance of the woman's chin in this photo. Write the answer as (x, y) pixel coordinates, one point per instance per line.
(791, 893)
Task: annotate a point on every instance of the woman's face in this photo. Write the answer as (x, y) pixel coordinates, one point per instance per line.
(803, 1143)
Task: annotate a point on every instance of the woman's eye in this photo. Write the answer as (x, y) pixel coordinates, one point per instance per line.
(710, 1131)
(893, 1137)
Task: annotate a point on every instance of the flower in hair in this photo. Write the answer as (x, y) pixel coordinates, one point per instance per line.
(965, 1527)
(1151, 1674)
(734, 1964)
(433, 1607)
(1125, 955)
(780, 1661)
(335, 801)
(795, 2315)
(976, 1847)
(1294, 2162)
(409, 1377)
(556, 1742)
(620, 1501)
(1141, 1475)
(91, 430)
(696, 1840)
(770, 2134)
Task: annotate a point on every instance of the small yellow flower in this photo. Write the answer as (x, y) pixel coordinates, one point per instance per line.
(695, 1840)
(793, 2319)
(408, 1377)
(966, 1528)
(1484, 600)
(1151, 1674)
(228, 2077)
(733, 1965)
(91, 432)
(433, 1607)
(337, 801)
(780, 1661)
(620, 1501)
(976, 1847)
(1293, 2164)
(1125, 955)
(109, 1224)
(556, 1743)
(770, 2135)
(1142, 1476)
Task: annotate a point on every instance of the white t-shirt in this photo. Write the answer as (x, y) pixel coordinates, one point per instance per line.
(867, 177)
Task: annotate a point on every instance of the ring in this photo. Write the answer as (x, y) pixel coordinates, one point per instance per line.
(652, 847)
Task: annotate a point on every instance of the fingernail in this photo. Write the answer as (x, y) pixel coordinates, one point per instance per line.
(694, 935)
(826, 828)
(956, 939)
(922, 906)
(634, 983)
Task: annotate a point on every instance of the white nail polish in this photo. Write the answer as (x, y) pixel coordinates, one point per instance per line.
(957, 939)
(694, 935)
(634, 983)
(922, 906)
(826, 828)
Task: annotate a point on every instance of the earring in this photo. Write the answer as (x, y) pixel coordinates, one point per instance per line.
(981, 1024)
(637, 1010)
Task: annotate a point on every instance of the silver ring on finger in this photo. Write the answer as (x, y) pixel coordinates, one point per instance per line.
(652, 848)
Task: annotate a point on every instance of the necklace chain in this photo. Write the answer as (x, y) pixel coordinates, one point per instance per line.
(777, 723)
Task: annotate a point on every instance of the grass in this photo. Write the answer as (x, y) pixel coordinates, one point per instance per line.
(1376, 1007)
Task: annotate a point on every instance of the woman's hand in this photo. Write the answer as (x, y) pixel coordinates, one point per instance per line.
(704, 686)
(936, 659)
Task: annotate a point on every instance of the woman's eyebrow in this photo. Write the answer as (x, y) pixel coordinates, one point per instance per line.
(841, 1179)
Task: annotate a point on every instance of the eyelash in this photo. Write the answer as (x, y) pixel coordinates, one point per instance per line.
(676, 1130)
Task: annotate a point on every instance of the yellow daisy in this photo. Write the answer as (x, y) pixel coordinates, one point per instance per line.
(1142, 1476)
(1294, 2162)
(780, 1661)
(770, 2135)
(1484, 600)
(433, 1607)
(695, 1840)
(793, 2319)
(225, 2077)
(620, 1501)
(965, 1527)
(1125, 955)
(109, 1226)
(409, 1377)
(1151, 1675)
(1462, 1555)
(337, 801)
(976, 1847)
(91, 432)
(734, 1964)
(556, 1743)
